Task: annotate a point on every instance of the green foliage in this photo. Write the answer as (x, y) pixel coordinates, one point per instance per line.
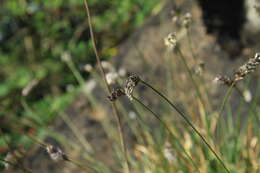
(34, 35)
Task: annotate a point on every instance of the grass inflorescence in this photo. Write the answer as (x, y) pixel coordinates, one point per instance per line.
(152, 132)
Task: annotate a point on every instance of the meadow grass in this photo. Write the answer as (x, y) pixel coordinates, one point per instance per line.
(164, 143)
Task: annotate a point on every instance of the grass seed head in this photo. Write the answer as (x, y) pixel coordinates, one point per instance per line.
(247, 68)
(88, 67)
(131, 82)
(186, 20)
(171, 41)
(66, 57)
(111, 77)
(224, 80)
(115, 94)
(55, 153)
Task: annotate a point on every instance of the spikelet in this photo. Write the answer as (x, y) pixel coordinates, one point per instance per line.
(115, 94)
(247, 68)
(171, 41)
(131, 83)
(55, 153)
(224, 80)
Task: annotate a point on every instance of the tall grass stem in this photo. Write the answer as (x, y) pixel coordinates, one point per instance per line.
(115, 110)
(167, 128)
(188, 122)
(191, 76)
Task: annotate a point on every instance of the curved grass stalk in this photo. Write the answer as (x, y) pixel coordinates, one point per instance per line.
(115, 110)
(168, 129)
(188, 122)
(190, 44)
(191, 76)
(227, 95)
(221, 109)
(195, 60)
(87, 146)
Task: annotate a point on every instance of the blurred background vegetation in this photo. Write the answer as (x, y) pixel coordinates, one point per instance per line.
(45, 50)
(33, 37)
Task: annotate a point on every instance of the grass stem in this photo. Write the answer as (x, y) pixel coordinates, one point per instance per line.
(167, 128)
(191, 76)
(188, 122)
(115, 110)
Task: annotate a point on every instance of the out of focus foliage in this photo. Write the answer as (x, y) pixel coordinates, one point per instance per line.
(33, 36)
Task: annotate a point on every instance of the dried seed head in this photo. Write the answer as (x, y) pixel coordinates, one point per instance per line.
(9, 158)
(26, 90)
(107, 66)
(171, 41)
(168, 152)
(224, 80)
(55, 153)
(88, 67)
(132, 115)
(131, 83)
(111, 77)
(186, 20)
(199, 69)
(122, 72)
(66, 57)
(12, 157)
(116, 93)
(89, 86)
(247, 68)
(175, 17)
(247, 95)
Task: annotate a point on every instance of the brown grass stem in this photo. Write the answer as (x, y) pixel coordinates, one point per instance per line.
(115, 110)
(190, 43)
(85, 144)
(191, 76)
(167, 128)
(188, 122)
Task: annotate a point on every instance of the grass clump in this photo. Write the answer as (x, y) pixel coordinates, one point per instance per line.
(188, 139)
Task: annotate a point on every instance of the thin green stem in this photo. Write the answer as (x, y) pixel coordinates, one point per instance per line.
(249, 106)
(227, 95)
(75, 72)
(190, 44)
(167, 128)
(188, 122)
(191, 76)
(222, 107)
(195, 60)
(77, 133)
(115, 110)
